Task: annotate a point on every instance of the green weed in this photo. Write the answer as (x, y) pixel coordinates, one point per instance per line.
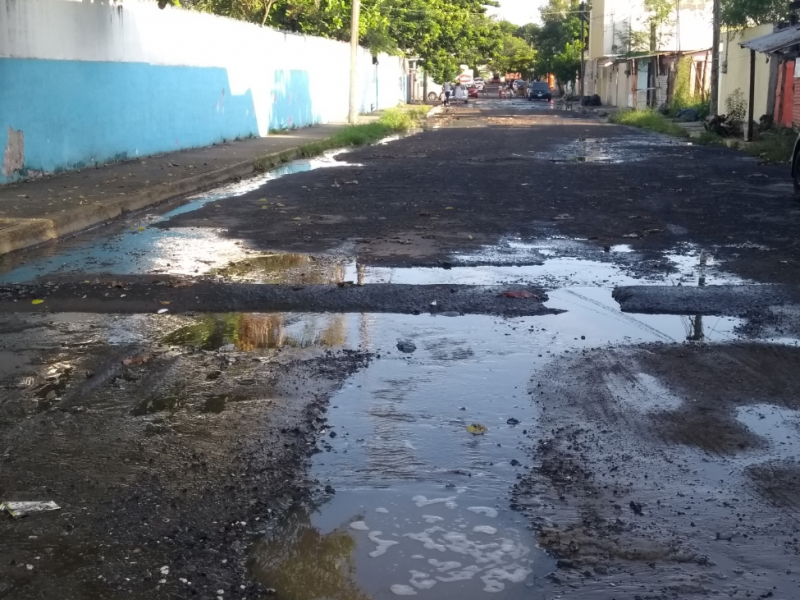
(391, 121)
(708, 138)
(649, 119)
(773, 146)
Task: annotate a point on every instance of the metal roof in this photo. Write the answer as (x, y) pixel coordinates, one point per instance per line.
(775, 41)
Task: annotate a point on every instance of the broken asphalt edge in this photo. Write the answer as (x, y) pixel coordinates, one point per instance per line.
(175, 296)
(734, 300)
(25, 233)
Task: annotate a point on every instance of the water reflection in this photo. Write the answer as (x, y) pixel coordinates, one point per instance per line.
(247, 332)
(134, 245)
(305, 564)
(288, 268)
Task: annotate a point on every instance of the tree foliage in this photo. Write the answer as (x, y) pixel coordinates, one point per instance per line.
(739, 14)
(558, 40)
(515, 53)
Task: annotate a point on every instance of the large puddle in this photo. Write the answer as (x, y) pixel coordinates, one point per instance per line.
(620, 149)
(416, 503)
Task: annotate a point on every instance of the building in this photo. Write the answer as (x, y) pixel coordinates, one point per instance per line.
(734, 72)
(631, 64)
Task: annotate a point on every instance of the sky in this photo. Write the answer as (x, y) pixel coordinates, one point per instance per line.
(519, 12)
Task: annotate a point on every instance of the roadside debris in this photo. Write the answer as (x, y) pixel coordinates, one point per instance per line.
(513, 421)
(406, 346)
(136, 360)
(519, 294)
(476, 429)
(28, 507)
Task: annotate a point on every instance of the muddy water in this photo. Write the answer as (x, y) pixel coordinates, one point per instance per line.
(421, 506)
(133, 246)
(410, 502)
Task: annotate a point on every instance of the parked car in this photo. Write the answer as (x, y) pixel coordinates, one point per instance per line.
(472, 92)
(479, 85)
(539, 90)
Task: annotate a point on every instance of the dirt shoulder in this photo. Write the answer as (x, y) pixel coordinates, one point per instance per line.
(167, 460)
(669, 470)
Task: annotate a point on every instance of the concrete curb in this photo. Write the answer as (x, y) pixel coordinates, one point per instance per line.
(17, 234)
(434, 111)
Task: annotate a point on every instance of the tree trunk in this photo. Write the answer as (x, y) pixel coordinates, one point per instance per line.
(267, 7)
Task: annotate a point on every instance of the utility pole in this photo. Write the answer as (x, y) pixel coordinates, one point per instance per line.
(714, 91)
(583, 49)
(353, 116)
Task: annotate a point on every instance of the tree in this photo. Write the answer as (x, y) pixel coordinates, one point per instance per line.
(441, 33)
(529, 33)
(739, 14)
(515, 54)
(444, 33)
(558, 40)
(654, 29)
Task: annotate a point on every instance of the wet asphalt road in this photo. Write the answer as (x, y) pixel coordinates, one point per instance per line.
(520, 354)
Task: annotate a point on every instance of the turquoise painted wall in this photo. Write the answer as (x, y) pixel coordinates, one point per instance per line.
(92, 82)
(74, 113)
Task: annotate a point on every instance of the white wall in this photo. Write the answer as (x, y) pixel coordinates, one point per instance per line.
(131, 79)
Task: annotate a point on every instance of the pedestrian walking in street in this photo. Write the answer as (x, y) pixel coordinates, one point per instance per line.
(447, 91)
(460, 93)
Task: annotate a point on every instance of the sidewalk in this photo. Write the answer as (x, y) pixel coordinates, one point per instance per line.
(32, 212)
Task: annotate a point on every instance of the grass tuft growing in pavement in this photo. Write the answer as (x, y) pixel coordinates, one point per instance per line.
(709, 138)
(391, 121)
(773, 146)
(649, 119)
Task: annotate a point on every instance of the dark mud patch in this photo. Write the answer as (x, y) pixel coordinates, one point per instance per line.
(137, 295)
(713, 429)
(216, 403)
(737, 373)
(154, 405)
(165, 504)
(627, 490)
(778, 482)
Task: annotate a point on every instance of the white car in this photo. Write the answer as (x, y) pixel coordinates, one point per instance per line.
(479, 85)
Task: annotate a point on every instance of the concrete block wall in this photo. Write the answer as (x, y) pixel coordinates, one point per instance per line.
(86, 82)
(734, 70)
